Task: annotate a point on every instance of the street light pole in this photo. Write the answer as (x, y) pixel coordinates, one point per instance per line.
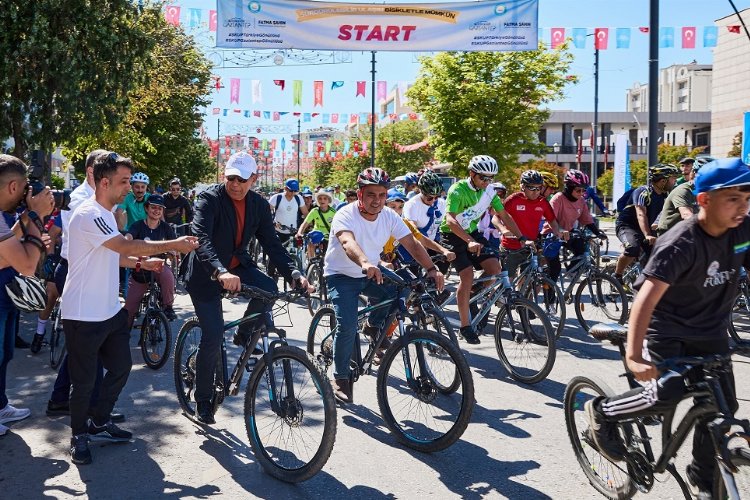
(299, 137)
(594, 140)
(556, 149)
(653, 83)
(372, 116)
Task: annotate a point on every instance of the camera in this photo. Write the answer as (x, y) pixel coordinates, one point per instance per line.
(62, 198)
(34, 185)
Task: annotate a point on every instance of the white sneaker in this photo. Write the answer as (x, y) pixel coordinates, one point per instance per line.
(11, 414)
(3, 430)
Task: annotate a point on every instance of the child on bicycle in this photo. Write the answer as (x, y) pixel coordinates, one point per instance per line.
(686, 293)
(320, 219)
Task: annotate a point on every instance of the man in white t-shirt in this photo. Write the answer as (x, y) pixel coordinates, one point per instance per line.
(287, 207)
(94, 321)
(361, 230)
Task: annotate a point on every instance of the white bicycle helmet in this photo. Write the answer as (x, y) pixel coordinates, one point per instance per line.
(27, 293)
(140, 177)
(483, 165)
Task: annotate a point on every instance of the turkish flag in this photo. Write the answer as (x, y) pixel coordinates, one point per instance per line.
(172, 14)
(557, 36)
(601, 36)
(361, 86)
(643, 29)
(211, 20)
(688, 37)
(735, 28)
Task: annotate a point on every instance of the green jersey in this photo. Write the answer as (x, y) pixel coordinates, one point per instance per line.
(469, 204)
(315, 217)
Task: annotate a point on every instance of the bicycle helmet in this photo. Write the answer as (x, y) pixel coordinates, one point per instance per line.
(140, 177)
(411, 178)
(395, 195)
(550, 180)
(576, 178)
(430, 183)
(700, 161)
(27, 293)
(292, 185)
(373, 176)
(662, 171)
(176, 180)
(531, 177)
(316, 237)
(483, 164)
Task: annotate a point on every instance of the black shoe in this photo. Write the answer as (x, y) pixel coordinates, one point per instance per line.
(108, 432)
(113, 417)
(170, 314)
(21, 343)
(79, 450)
(36, 343)
(698, 488)
(469, 335)
(205, 413)
(604, 434)
(241, 337)
(57, 409)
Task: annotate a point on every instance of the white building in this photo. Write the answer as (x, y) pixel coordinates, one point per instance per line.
(682, 87)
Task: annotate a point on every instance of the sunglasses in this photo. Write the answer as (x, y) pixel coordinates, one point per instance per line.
(431, 198)
(485, 178)
(235, 178)
(536, 188)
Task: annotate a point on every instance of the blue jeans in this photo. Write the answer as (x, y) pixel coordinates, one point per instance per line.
(344, 292)
(7, 344)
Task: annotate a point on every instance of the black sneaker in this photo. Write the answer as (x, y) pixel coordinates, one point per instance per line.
(205, 413)
(170, 314)
(698, 488)
(604, 434)
(469, 335)
(79, 450)
(108, 432)
(36, 343)
(21, 343)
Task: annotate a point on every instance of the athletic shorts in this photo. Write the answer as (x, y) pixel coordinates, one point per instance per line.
(465, 259)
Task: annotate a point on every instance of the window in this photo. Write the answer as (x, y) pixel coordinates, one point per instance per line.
(682, 99)
(682, 85)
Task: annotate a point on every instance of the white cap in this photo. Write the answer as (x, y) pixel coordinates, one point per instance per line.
(241, 164)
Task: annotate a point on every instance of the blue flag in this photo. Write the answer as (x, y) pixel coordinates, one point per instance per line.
(306, 117)
(710, 35)
(195, 18)
(267, 115)
(326, 117)
(622, 37)
(337, 84)
(746, 139)
(666, 37)
(579, 38)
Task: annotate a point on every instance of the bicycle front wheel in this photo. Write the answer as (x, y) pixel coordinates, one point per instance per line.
(292, 425)
(600, 299)
(435, 321)
(185, 352)
(525, 341)
(414, 408)
(608, 479)
(56, 338)
(156, 339)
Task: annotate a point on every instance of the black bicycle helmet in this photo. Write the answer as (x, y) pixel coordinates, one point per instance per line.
(662, 171)
(430, 183)
(531, 177)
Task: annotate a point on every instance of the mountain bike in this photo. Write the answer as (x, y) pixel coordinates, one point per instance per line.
(156, 333)
(176, 257)
(56, 338)
(425, 388)
(637, 473)
(290, 412)
(314, 275)
(739, 317)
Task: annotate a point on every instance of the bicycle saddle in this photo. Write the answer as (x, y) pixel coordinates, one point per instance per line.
(615, 333)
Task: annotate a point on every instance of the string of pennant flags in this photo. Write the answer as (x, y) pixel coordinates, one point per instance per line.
(325, 118)
(276, 149)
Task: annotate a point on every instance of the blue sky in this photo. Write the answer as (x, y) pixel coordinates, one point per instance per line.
(619, 68)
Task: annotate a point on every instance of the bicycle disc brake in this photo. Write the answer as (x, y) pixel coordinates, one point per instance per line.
(640, 470)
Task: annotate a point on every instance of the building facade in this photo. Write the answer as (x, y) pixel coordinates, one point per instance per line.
(682, 87)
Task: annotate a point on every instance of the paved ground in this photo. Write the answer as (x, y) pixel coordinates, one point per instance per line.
(515, 446)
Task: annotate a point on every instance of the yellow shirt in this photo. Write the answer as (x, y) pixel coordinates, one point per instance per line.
(389, 249)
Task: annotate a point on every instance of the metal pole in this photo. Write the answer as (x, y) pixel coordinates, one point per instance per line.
(218, 149)
(594, 142)
(740, 18)
(372, 121)
(653, 82)
(299, 138)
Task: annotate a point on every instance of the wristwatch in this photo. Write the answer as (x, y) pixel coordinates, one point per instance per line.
(219, 270)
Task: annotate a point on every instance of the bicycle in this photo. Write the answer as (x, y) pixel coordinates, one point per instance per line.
(616, 481)
(315, 277)
(426, 401)
(607, 298)
(156, 333)
(56, 338)
(288, 401)
(292, 247)
(739, 317)
(176, 258)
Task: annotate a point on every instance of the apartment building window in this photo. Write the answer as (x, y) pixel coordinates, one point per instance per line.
(682, 85)
(682, 99)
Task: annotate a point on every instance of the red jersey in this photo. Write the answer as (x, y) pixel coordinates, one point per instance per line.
(528, 216)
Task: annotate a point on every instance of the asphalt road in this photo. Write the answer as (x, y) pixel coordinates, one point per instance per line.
(516, 445)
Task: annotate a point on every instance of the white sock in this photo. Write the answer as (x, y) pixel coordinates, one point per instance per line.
(41, 326)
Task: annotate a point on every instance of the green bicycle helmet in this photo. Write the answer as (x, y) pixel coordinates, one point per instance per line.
(430, 183)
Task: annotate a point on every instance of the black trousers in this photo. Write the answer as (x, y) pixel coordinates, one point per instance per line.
(87, 342)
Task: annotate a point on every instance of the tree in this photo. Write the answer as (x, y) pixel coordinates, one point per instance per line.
(345, 170)
(404, 133)
(158, 129)
(488, 102)
(736, 150)
(67, 67)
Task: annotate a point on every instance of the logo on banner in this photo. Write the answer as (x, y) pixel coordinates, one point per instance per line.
(254, 7)
(500, 10)
(483, 26)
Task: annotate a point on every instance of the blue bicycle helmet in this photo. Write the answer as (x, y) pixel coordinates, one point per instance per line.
(316, 237)
(411, 178)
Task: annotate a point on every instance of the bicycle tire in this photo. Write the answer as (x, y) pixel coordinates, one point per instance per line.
(283, 428)
(57, 345)
(554, 308)
(320, 338)
(185, 350)
(614, 295)
(319, 298)
(739, 317)
(395, 393)
(155, 345)
(533, 342)
(740, 458)
(600, 472)
(437, 322)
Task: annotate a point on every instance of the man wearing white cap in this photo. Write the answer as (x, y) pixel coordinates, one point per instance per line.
(226, 216)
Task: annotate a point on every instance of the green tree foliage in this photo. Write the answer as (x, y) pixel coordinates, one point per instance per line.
(68, 66)
(346, 169)
(736, 150)
(404, 133)
(488, 102)
(158, 129)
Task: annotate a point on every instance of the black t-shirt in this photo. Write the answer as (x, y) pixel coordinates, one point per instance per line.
(653, 202)
(174, 208)
(702, 272)
(140, 231)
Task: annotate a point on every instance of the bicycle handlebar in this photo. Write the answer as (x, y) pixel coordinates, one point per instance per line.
(253, 292)
(685, 363)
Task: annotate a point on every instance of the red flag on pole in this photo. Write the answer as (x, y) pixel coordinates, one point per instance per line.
(688, 37)
(601, 36)
(280, 83)
(557, 36)
(317, 92)
(643, 29)
(579, 153)
(211, 20)
(172, 14)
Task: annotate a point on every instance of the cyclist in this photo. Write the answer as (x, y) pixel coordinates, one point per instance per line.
(320, 219)
(644, 204)
(226, 217)
(411, 181)
(307, 196)
(467, 201)
(177, 208)
(152, 229)
(287, 207)
(133, 208)
(359, 232)
(681, 203)
(687, 290)
(428, 210)
(686, 164)
(551, 185)
(54, 230)
(570, 211)
(501, 190)
(527, 207)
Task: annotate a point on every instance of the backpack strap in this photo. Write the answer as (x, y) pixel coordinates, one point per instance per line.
(325, 223)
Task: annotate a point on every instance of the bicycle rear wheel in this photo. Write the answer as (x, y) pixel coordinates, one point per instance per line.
(610, 480)
(319, 297)
(56, 338)
(525, 341)
(739, 317)
(435, 321)
(543, 292)
(320, 338)
(604, 301)
(416, 411)
(293, 441)
(156, 339)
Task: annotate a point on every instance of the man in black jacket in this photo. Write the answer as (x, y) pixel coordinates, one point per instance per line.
(226, 217)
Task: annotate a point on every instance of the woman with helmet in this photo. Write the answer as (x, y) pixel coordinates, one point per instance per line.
(133, 208)
(358, 233)
(681, 202)
(634, 224)
(570, 211)
(320, 218)
(467, 201)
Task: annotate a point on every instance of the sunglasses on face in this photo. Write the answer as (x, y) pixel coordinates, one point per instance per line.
(533, 188)
(236, 178)
(485, 178)
(431, 198)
